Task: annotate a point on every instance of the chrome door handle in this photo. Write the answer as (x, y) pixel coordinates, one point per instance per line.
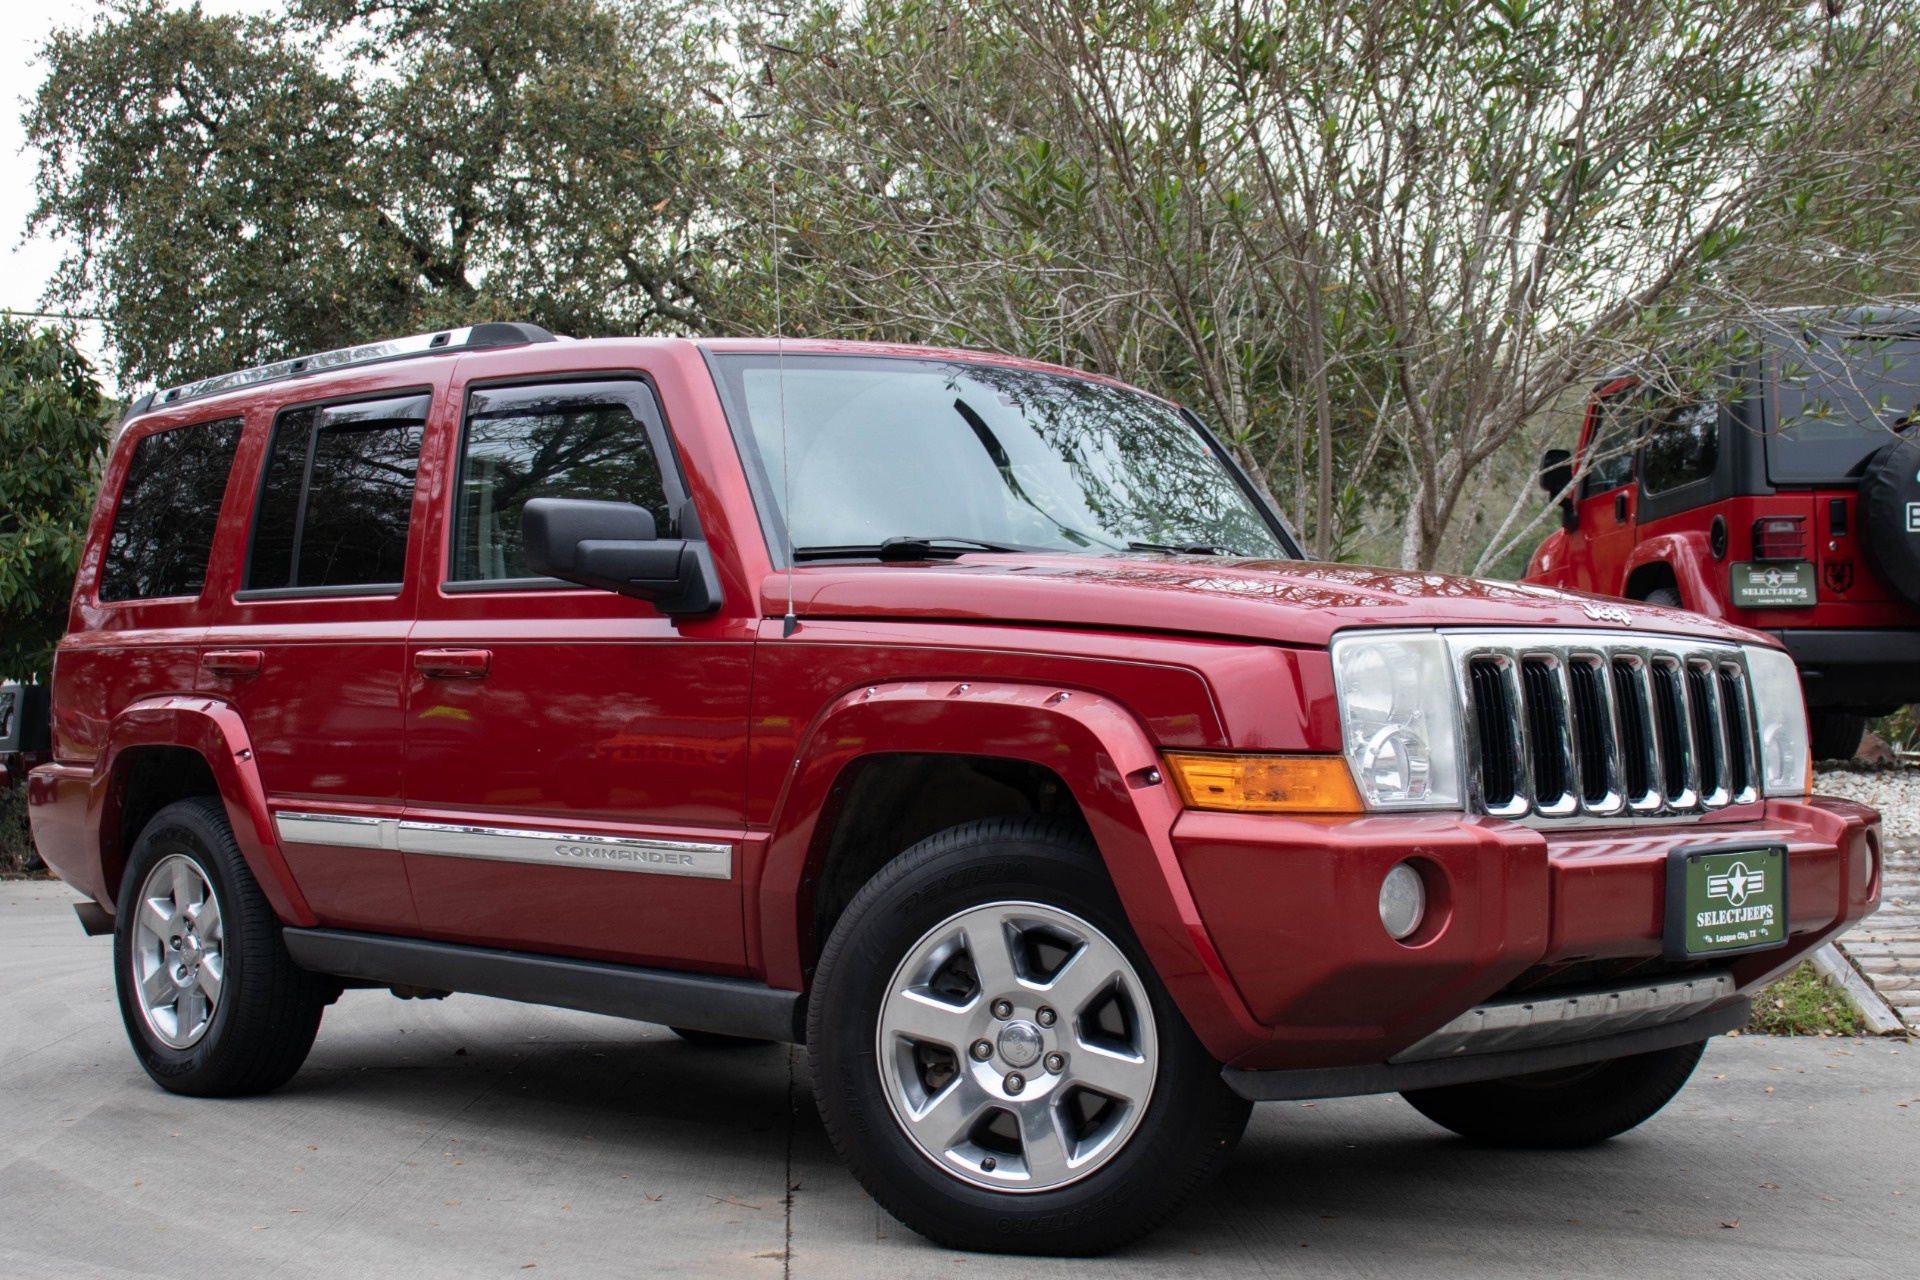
(453, 664)
(233, 662)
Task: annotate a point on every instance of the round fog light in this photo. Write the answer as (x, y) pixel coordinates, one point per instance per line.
(1403, 901)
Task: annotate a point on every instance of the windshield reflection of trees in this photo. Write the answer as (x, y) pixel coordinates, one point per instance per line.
(1142, 473)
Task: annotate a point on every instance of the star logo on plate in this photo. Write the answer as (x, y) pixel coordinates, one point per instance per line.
(1736, 884)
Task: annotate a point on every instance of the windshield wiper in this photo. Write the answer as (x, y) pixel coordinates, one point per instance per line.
(912, 547)
(1184, 549)
(922, 548)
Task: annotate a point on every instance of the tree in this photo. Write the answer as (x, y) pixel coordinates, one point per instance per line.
(241, 189)
(52, 433)
(1396, 230)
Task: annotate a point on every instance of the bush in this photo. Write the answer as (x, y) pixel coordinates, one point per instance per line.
(1803, 1004)
(16, 841)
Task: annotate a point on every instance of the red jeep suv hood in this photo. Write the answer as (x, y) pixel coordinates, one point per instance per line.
(1281, 601)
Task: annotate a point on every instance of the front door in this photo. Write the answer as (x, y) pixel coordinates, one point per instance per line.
(1599, 548)
(576, 761)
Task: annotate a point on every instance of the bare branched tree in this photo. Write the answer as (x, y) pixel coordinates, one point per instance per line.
(1389, 233)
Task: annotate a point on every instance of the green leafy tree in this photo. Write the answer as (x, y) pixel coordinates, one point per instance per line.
(52, 432)
(243, 188)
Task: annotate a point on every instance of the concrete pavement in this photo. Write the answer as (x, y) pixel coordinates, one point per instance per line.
(473, 1137)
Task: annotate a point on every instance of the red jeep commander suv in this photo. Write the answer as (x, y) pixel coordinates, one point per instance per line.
(970, 721)
(1787, 500)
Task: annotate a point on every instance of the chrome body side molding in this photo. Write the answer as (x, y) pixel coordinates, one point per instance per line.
(695, 858)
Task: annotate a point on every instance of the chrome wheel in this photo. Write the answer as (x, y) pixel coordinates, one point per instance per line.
(178, 952)
(1016, 1046)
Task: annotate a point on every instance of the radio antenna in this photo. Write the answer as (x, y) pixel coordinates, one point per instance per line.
(790, 623)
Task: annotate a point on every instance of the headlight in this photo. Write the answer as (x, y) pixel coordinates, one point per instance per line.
(1786, 756)
(1396, 719)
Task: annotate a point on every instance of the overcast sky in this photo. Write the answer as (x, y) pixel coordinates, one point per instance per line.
(25, 267)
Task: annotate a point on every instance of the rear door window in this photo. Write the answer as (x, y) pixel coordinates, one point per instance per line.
(1682, 445)
(582, 440)
(337, 496)
(169, 509)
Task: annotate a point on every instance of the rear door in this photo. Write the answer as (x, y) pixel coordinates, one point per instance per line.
(309, 644)
(576, 760)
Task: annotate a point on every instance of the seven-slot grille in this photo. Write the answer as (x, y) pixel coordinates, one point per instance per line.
(1567, 725)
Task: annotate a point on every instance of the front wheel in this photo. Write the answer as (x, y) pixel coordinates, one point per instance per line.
(994, 1057)
(1572, 1107)
(212, 1003)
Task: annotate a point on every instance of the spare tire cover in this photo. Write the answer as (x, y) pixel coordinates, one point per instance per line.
(1890, 516)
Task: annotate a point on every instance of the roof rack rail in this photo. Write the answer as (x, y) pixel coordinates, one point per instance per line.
(471, 338)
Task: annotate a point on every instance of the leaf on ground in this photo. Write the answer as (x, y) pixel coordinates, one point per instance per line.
(1734, 1223)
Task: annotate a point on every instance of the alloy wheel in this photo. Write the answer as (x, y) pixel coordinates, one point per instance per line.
(1017, 1046)
(179, 961)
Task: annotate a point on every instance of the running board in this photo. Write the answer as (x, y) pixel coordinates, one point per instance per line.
(1398, 1077)
(699, 1001)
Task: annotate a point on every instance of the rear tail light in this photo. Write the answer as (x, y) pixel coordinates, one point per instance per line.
(1779, 538)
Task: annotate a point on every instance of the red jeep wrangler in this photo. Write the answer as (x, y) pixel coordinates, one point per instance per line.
(972, 722)
(1787, 501)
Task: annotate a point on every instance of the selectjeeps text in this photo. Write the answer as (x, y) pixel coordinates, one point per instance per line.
(973, 722)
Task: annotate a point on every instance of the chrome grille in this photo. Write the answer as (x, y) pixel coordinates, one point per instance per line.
(1571, 725)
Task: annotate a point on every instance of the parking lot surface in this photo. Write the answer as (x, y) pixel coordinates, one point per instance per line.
(473, 1137)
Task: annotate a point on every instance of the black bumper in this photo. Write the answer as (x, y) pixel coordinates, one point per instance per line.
(1866, 671)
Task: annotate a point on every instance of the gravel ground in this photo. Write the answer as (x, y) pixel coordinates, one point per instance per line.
(1894, 792)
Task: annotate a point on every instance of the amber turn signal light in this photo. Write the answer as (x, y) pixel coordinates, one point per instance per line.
(1265, 783)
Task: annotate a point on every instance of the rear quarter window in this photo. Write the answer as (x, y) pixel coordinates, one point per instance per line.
(168, 512)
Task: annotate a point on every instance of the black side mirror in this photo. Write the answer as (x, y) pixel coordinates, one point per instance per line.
(1556, 479)
(615, 547)
(1556, 471)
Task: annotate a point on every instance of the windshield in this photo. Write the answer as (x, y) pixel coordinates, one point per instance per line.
(881, 448)
(1837, 403)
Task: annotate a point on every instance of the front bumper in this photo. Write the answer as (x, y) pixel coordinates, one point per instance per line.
(1291, 906)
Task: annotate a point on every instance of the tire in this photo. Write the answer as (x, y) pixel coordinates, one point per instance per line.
(1836, 735)
(1574, 1107)
(1665, 597)
(715, 1040)
(248, 1029)
(1889, 484)
(1047, 1164)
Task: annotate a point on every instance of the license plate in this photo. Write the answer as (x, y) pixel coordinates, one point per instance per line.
(1773, 586)
(1721, 901)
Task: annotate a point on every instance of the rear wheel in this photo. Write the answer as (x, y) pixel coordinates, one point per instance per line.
(994, 1057)
(1573, 1107)
(212, 1003)
(1836, 735)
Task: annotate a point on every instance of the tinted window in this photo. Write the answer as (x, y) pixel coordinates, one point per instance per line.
(169, 508)
(559, 442)
(337, 496)
(1610, 458)
(1682, 446)
(1838, 402)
